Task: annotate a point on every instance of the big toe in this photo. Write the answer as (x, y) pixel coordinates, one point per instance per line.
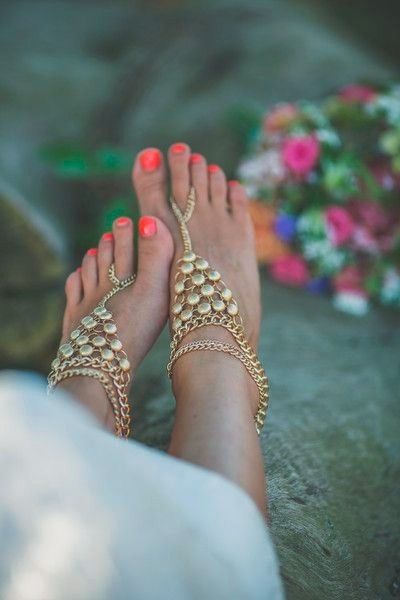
(150, 182)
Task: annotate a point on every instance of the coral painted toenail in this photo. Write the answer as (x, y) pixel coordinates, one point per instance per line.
(233, 182)
(195, 158)
(79, 269)
(150, 160)
(107, 237)
(213, 168)
(147, 227)
(122, 221)
(178, 148)
(92, 252)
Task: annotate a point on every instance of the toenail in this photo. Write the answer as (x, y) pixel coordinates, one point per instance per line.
(92, 252)
(107, 237)
(79, 269)
(147, 227)
(178, 148)
(233, 182)
(213, 168)
(195, 158)
(150, 160)
(122, 221)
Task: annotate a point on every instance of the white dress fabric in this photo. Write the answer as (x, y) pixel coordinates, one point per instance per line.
(84, 515)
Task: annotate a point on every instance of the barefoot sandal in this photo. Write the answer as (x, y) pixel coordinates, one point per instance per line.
(202, 298)
(94, 350)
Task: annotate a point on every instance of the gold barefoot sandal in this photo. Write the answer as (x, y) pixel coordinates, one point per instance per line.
(94, 350)
(203, 299)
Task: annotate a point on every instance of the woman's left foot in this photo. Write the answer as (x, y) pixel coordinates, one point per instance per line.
(140, 311)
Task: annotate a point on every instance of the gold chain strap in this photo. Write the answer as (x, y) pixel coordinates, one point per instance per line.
(201, 299)
(94, 350)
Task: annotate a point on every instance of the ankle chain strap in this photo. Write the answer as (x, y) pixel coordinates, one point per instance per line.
(94, 350)
(201, 299)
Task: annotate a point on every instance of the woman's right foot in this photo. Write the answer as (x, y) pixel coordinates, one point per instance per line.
(216, 399)
(220, 228)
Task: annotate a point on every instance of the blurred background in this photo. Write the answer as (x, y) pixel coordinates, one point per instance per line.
(84, 85)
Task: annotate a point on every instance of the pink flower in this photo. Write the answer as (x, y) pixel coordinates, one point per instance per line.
(340, 225)
(300, 154)
(280, 117)
(371, 214)
(290, 270)
(349, 280)
(364, 240)
(357, 93)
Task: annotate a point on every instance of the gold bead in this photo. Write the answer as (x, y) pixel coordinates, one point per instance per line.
(226, 294)
(88, 322)
(99, 341)
(233, 309)
(56, 363)
(201, 264)
(82, 340)
(218, 305)
(66, 350)
(179, 286)
(177, 324)
(214, 276)
(100, 310)
(187, 268)
(186, 314)
(124, 364)
(177, 308)
(107, 354)
(110, 328)
(189, 256)
(75, 334)
(106, 316)
(116, 345)
(204, 308)
(193, 299)
(207, 290)
(198, 279)
(86, 350)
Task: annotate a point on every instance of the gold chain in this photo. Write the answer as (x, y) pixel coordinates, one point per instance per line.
(202, 299)
(94, 350)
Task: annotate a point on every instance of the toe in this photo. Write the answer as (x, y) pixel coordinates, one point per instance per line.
(218, 187)
(237, 197)
(199, 177)
(178, 158)
(149, 180)
(155, 251)
(123, 247)
(89, 271)
(105, 257)
(73, 289)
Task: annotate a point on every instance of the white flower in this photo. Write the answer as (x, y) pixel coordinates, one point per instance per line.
(265, 169)
(390, 292)
(351, 303)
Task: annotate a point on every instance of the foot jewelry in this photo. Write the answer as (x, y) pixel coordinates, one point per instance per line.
(94, 350)
(201, 299)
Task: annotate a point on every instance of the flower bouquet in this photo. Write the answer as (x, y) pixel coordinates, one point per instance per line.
(325, 180)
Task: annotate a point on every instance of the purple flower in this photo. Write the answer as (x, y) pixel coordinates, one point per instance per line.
(285, 226)
(319, 285)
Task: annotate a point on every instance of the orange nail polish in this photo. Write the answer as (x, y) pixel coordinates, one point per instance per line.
(195, 158)
(178, 148)
(150, 159)
(233, 182)
(107, 237)
(92, 252)
(122, 221)
(147, 227)
(213, 168)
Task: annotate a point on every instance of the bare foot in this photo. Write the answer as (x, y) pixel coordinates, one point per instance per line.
(140, 311)
(216, 399)
(220, 228)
